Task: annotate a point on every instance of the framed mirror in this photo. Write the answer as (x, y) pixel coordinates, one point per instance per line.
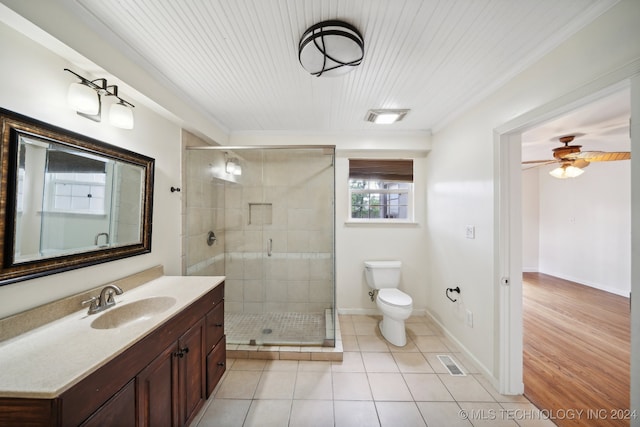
(68, 201)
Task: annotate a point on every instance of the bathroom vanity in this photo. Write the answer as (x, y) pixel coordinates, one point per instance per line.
(152, 359)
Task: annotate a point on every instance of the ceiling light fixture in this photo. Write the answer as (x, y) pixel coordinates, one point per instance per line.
(331, 48)
(85, 97)
(386, 116)
(566, 171)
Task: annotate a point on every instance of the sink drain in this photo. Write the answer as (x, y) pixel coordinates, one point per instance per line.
(266, 331)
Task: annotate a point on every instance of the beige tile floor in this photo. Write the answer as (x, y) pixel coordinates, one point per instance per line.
(377, 384)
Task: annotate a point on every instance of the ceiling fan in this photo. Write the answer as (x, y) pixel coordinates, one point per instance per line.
(572, 160)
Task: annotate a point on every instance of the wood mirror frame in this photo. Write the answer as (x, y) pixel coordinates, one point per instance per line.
(14, 127)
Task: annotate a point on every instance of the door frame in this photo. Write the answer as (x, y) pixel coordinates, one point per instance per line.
(508, 221)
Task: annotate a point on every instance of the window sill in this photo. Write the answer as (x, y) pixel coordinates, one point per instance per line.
(389, 223)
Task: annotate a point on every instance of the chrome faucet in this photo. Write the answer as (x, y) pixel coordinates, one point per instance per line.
(105, 300)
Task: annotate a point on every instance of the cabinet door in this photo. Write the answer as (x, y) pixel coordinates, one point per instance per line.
(119, 411)
(156, 392)
(191, 380)
(216, 365)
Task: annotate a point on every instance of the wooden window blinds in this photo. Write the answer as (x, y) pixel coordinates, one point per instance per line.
(382, 169)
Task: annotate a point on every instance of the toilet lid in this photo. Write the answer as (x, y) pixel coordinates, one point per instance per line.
(394, 297)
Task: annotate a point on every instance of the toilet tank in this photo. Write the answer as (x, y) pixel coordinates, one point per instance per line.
(382, 274)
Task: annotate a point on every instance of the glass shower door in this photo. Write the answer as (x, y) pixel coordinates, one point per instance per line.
(298, 234)
(274, 224)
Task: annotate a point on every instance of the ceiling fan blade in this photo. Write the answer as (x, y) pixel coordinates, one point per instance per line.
(541, 162)
(531, 164)
(601, 156)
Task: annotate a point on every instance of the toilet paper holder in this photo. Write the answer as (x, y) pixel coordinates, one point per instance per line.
(456, 289)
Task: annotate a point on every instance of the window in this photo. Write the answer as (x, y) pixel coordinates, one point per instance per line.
(381, 190)
(76, 193)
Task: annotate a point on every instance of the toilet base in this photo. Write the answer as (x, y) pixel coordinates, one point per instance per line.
(393, 331)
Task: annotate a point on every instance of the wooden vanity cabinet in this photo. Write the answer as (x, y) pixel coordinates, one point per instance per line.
(216, 359)
(120, 410)
(163, 379)
(172, 389)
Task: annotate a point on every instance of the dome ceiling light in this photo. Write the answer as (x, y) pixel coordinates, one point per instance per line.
(331, 48)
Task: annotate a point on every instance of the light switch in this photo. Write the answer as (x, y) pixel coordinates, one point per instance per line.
(470, 231)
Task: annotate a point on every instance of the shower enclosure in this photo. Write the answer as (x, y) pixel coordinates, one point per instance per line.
(264, 218)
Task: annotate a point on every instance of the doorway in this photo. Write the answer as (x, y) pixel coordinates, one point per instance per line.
(508, 269)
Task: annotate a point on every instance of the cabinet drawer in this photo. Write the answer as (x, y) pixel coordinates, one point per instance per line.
(218, 293)
(216, 365)
(215, 325)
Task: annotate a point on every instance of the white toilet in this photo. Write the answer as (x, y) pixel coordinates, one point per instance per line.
(395, 305)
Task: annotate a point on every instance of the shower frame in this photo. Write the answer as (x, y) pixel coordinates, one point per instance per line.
(267, 214)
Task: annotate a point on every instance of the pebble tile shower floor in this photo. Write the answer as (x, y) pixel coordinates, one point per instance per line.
(275, 328)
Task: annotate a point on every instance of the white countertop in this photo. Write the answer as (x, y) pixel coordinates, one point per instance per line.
(46, 361)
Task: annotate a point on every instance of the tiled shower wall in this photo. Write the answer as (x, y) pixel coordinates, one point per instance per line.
(285, 195)
(286, 201)
(203, 211)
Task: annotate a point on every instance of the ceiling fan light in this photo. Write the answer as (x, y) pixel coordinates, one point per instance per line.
(566, 171)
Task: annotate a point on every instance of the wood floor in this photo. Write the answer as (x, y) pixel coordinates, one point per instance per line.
(576, 351)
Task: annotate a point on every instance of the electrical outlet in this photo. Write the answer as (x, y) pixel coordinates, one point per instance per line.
(470, 318)
(470, 231)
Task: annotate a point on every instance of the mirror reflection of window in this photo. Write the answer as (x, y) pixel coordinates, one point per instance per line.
(70, 201)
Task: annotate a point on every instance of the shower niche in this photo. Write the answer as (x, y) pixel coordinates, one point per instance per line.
(274, 224)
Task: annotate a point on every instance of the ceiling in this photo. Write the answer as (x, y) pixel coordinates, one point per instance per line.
(236, 60)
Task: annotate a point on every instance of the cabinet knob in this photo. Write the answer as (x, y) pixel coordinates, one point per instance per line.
(182, 352)
(218, 325)
(220, 363)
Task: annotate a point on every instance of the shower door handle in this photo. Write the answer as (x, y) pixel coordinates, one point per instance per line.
(269, 247)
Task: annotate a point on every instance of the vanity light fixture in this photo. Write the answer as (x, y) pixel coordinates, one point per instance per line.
(330, 48)
(86, 95)
(566, 171)
(386, 116)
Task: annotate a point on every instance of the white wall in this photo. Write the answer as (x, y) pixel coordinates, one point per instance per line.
(585, 227)
(461, 173)
(357, 243)
(530, 220)
(33, 83)
(579, 229)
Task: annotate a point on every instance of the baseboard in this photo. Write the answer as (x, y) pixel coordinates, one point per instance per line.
(375, 311)
(483, 369)
(614, 291)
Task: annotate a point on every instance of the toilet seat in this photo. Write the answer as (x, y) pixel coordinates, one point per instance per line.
(394, 297)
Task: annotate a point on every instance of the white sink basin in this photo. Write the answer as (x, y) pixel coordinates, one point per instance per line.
(135, 311)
